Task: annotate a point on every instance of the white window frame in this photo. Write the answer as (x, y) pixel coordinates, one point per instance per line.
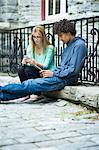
(62, 13)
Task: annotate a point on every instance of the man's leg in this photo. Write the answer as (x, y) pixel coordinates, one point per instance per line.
(31, 86)
(12, 91)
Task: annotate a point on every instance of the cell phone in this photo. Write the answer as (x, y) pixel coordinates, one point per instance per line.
(38, 68)
(26, 57)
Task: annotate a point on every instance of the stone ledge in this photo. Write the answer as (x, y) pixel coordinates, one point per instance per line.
(89, 96)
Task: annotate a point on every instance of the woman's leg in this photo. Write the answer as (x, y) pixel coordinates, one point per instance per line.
(21, 73)
(31, 72)
(28, 72)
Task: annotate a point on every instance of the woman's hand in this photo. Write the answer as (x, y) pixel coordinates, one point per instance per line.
(24, 61)
(46, 73)
(28, 61)
(32, 62)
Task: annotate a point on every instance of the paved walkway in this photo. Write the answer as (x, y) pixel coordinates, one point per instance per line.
(43, 125)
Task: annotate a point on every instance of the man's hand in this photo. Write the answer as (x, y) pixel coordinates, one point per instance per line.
(46, 73)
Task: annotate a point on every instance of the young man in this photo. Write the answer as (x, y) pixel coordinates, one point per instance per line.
(65, 74)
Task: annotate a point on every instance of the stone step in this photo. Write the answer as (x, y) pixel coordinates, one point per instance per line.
(89, 96)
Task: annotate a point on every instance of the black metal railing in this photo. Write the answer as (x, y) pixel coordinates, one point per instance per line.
(14, 42)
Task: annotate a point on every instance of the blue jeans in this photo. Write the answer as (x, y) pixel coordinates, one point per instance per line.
(31, 86)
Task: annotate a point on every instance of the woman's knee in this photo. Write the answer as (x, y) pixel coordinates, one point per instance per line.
(27, 70)
(21, 70)
(31, 72)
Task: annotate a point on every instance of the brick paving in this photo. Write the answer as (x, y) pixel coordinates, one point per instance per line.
(48, 125)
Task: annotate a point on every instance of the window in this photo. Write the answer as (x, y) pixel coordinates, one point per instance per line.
(55, 8)
(50, 7)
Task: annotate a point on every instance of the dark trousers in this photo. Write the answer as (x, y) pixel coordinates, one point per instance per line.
(28, 72)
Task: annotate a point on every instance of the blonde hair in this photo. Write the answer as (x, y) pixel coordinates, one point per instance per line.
(41, 31)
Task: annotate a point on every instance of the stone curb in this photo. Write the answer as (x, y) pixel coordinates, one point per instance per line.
(88, 96)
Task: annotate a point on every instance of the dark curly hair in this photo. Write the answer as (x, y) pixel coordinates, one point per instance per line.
(64, 26)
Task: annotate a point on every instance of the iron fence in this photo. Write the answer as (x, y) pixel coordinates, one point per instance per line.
(14, 42)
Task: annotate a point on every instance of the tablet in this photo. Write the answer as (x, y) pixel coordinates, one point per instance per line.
(37, 67)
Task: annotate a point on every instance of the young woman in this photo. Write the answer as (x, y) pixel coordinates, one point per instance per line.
(39, 56)
(39, 53)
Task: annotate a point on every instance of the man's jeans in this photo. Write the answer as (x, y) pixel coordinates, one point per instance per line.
(31, 86)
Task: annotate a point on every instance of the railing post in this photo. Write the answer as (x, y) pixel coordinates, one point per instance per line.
(20, 44)
(66, 6)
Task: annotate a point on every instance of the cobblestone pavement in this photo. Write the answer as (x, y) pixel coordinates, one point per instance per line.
(48, 125)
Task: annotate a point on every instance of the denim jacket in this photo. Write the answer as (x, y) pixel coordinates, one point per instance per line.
(71, 58)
